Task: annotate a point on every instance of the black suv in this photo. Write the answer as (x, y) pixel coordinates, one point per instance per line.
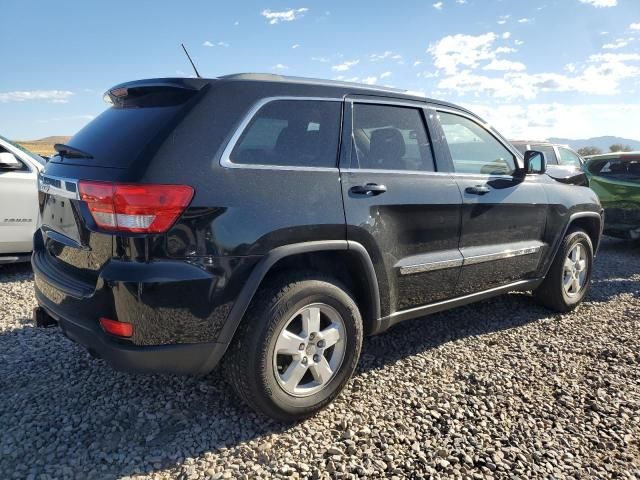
(276, 221)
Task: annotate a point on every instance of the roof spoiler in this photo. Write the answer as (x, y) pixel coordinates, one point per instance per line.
(153, 93)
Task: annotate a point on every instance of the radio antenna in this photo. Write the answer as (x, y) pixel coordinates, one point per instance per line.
(191, 61)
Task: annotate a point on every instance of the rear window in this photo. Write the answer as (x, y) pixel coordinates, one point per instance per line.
(301, 133)
(119, 135)
(619, 169)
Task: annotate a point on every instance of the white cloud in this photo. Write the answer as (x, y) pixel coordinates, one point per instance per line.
(207, 43)
(236, 23)
(385, 74)
(458, 58)
(417, 62)
(280, 66)
(506, 35)
(370, 80)
(601, 3)
(635, 26)
(344, 66)
(461, 2)
(518, 42)
(284, 15)
(455, 51)
(386, 55)
(503, 19)
(544, 120)
(320, 59)
(619, 43)
(297, 45)
(438, 5)
(505, 65)
(525, 20)
(51, 96)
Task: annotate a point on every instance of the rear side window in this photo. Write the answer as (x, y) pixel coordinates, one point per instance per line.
(619, 169)
(391, 138)
(567, 157)
(473, 149)
(300, 133)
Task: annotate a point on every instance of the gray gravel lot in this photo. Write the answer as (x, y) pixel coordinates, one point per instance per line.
(499, 388)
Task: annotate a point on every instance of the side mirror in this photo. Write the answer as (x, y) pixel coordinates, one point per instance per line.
(534, 162)
(8, 161)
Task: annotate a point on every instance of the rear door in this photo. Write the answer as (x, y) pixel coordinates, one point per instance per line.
(503, 216)
(18, 206)
(397, 202)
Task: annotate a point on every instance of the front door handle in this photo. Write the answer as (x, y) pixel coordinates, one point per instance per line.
(368, 189)
(478, 190)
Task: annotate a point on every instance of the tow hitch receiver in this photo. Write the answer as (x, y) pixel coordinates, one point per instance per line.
(42, 319)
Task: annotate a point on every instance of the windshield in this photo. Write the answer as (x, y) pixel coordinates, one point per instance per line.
(35, 157)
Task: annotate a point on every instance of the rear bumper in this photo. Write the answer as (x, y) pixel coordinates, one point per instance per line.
(183, 359)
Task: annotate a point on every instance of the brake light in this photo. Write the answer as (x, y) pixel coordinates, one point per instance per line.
(136, 208)
(114, 327)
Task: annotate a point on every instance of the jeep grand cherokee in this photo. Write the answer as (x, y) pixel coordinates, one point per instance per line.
(275, 221)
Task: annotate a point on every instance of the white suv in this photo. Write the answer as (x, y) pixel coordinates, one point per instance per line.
(18, 200)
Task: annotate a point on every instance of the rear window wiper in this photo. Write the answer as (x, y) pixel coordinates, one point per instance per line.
(70, 152)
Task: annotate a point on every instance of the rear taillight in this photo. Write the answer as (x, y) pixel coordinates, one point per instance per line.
(114, 327)
(136, 208)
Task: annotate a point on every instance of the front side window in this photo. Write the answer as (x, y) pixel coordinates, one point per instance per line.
(473, 149)
(388, 137)
(567, 157)
(300, 133)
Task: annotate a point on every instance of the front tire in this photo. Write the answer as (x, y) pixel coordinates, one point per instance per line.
(297, 346)
(567, 281)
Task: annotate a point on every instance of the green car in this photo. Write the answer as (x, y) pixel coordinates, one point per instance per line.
(615, 177)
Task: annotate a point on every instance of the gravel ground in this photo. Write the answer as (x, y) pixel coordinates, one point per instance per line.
(494, 389)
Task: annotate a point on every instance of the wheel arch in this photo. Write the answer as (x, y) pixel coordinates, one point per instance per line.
(348, 261)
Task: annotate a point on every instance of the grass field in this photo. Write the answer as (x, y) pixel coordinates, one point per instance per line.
(44, 146)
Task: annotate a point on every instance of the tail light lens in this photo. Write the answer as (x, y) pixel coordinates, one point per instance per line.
(114, 327)
(135, 208)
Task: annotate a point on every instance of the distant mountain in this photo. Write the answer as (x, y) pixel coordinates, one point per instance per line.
(603, 143)
(44, 146)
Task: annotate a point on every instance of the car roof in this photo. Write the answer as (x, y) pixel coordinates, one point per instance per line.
(616, 155)
(332, 86)
(541, 142)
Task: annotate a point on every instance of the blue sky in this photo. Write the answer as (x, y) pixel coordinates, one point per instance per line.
(533, 68)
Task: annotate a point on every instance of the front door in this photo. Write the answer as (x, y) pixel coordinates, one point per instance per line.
(397, 204)
(503, 215)
(18, 208)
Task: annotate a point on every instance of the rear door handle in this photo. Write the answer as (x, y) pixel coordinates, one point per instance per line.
(478, 190)
(368, 189)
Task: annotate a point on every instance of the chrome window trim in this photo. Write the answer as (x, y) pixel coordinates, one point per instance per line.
(60, 192)
(225, 159)
(381, 170)
(389, 101)
(473, 260)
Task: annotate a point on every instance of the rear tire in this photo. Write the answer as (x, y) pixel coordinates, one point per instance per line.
(297, 346)
(567, 281)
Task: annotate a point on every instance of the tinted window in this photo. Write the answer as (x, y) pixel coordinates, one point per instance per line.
(567, 157)
(390, 138)
(620, 169)
(473, 149)
(291, 133)
(549, 153)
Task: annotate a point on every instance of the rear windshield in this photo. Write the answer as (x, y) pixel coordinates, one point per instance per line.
(119, 135)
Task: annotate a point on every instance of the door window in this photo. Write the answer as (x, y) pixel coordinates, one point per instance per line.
(549, 153)
(387, 137)
(473, 149)
(567, 157)
(302, 133)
